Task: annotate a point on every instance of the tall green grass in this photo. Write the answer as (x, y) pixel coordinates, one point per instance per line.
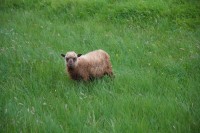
(154, 48)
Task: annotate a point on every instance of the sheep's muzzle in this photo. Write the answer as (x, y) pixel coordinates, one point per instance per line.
(70, 63)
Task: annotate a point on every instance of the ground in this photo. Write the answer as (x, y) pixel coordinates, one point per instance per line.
(154, 48)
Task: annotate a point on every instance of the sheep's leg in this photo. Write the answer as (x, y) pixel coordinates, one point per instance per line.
(109, 69)
(85, 77)
(109, 73)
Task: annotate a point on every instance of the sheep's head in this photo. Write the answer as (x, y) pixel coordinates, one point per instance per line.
(71, 59)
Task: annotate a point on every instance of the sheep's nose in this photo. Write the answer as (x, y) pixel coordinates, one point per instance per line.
(70, 61)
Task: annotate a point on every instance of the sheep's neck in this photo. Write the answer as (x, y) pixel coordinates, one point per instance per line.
(71, 70)
(73, 73)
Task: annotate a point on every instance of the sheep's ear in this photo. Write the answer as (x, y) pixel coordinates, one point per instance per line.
(79, 55)
(62, 55)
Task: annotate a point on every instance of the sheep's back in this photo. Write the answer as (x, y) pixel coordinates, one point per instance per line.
(97, 56)
(98, 62)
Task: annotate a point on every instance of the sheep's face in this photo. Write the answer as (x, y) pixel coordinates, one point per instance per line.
(71, 59)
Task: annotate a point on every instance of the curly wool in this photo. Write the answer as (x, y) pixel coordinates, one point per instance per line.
(94, 64)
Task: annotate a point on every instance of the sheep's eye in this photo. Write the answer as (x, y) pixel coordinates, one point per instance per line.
(74, 59)
(67, 59)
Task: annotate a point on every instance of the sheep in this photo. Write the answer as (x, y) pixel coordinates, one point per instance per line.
(94, 64)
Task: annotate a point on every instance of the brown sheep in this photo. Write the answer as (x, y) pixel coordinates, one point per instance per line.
(94, 64)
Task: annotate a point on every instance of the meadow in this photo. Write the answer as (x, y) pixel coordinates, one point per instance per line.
(154, 47)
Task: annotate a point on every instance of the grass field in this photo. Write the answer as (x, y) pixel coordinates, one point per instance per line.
(155, 52)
